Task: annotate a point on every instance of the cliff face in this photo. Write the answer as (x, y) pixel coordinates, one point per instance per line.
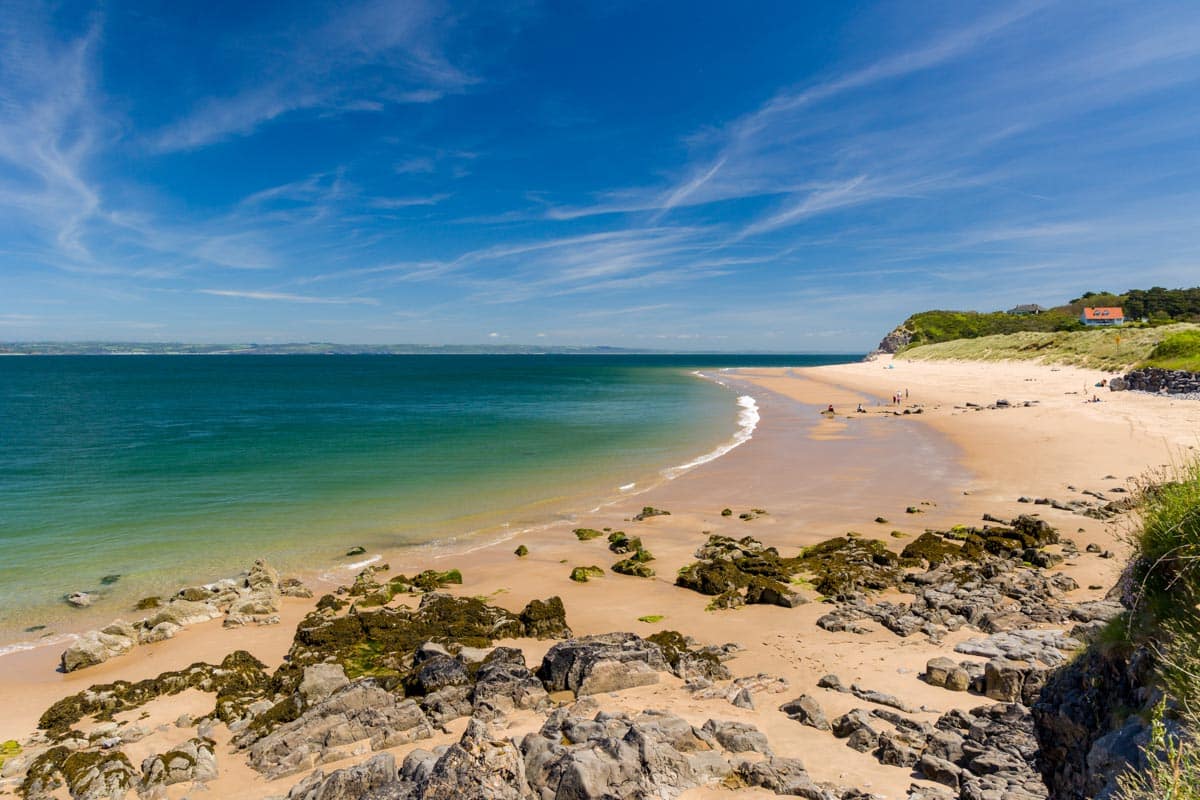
(892, 343)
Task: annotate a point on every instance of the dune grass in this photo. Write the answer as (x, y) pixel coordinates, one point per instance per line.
(1111, 349)
(1162, 586)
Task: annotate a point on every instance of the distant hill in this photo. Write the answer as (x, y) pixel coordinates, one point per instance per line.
(1158, 306)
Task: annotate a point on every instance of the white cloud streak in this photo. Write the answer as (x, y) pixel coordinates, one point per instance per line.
(367, 56)
(289, 298)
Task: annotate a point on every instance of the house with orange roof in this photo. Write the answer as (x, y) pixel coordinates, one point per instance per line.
(1103, 316)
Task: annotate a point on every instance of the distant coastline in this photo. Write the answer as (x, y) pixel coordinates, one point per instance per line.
(330, 348)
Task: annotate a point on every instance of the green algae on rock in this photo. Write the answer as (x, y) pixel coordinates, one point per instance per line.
(238, 680)
(619, 542)
(726, 566)
(584, 534)
(86, 773)
(636, 565)
(584, 574)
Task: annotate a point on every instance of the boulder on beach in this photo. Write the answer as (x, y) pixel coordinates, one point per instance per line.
(94, 647)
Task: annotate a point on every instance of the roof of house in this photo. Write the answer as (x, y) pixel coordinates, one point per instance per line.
(1109, 312)
(1025, 308)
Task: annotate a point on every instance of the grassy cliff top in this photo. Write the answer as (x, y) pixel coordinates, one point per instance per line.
(1171, 346)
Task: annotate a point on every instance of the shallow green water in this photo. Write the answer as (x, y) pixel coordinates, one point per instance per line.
(170, 469)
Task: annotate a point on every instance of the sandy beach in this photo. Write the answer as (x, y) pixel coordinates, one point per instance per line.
(815, 476)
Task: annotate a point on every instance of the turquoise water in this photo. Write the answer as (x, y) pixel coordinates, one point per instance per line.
(169, 469)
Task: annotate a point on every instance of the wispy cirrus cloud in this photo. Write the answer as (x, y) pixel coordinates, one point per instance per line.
(50, 127)
(286, 297)
(364, 57)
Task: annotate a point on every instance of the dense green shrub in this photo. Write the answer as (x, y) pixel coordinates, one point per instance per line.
(1177, 351)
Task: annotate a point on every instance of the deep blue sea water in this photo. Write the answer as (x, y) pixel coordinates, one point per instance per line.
(170, 469)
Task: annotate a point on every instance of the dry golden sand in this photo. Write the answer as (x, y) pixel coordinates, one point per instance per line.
(817, 477)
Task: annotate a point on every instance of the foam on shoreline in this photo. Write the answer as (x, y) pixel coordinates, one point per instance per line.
(748, 418)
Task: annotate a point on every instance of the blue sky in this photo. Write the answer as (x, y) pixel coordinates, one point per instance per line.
(787, 176)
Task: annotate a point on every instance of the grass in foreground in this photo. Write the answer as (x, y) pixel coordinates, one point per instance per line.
(1110, 349)
(1163, 588)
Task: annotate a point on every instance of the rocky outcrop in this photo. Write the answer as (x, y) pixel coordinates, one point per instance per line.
(480, 766)
(361, 713)
(86, 775)
(503, 683)
(740, 571)
(807, 711)
(574, 757)
(252, 599)
(194, 760)
(984, 583)
(603, 663)
(352, 783)
(96, 647)
(385, 640)
(238, 681)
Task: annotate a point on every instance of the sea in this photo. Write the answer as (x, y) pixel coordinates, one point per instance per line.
(126, 476)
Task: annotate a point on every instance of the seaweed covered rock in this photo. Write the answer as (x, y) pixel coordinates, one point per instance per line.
(86, 774)
(620, 543)
(636, 565)
(586, 534)
(545, 619)
(688, 661)
(371, 593)
(585, 574)
(738, 571)
(194, 760)
(844, 565)
(650, 511)
(381, 642)
(603, 663)
(932, 549)
(712, 577)
(767, 592)
(238, 680)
